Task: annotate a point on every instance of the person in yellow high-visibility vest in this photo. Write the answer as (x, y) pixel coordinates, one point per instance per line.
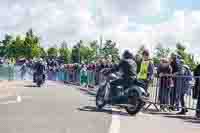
(146, 69)
(13, 61)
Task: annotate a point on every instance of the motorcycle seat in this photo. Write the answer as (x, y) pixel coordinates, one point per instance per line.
(136, 83)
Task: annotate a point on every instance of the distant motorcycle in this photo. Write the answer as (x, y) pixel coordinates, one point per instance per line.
(39, 79)
(131, 98)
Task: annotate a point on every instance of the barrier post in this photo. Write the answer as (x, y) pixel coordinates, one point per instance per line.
(153, 98)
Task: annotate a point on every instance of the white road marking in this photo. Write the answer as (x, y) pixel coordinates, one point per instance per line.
(18, 100)
(27, 97)
(9, 102)
(115, 124)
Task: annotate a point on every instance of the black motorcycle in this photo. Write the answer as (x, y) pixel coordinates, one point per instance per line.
(131, 98)
(39, 79)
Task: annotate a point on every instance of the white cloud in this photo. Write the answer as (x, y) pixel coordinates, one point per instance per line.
(182, 27)
(70, 20)
(134, 7)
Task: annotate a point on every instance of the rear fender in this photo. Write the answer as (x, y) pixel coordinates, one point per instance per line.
(138, 89)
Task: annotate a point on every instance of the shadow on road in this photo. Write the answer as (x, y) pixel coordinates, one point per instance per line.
(88, 91)
(108, 111)
(196, 121)
(29, 86)
(190, 119)
(171, 115)
(156, 112)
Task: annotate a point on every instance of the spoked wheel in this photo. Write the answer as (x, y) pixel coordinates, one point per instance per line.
(100, 97)
(135, 103)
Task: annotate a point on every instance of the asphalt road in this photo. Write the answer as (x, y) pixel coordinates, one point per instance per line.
(59, 108)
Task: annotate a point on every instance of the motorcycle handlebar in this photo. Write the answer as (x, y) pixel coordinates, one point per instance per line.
(105, 70)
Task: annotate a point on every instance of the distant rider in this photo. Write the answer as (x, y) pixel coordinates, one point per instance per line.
(39, 68)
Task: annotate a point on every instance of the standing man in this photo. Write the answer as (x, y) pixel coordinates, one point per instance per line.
(23, 70)
(196, 90)
(198, 106)
(165, 82)
(176, 67)
(146, 69)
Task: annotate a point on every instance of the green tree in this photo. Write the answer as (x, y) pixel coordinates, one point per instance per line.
(4, 44)
(95, 48)
(52, 52)
(76, 54)
(36, 52)
(160, 52)
(31, 45)
(16, 49)
(87, 54)
(43, 52)
(64, 52)
(187, 57)
(7, 40)
(110, 49)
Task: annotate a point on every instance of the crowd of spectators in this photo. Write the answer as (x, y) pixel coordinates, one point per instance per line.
(176, 79)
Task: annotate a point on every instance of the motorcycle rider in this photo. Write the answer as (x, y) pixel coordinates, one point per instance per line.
(128, 69)
(39, 69)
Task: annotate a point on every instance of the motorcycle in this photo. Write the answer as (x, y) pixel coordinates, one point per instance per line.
(131, 98)
(39, 79)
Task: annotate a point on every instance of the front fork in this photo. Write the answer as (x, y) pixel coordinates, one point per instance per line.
(107, 92)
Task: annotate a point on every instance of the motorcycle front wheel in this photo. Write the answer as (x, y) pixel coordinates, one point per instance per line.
(135, 103)
(100, 101)
(39, 83)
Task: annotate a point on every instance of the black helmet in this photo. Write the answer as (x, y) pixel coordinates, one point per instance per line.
(127, 55)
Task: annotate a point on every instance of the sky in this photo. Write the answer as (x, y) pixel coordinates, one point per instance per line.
(130, 23)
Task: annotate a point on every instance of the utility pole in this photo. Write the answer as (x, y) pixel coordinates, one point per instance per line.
(101, 44)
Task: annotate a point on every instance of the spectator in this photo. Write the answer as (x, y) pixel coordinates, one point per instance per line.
(52, 70)
(196, 90)
(23, 70)
(197, 82)
(108, 61)
(164, 70)
(146, 69)
(175, 64)
(198, 105)
(84, 76)
(99, 66)
(183, 85)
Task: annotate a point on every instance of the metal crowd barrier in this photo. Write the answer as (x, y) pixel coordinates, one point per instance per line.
(166, 93)
(8, 72)
(13, 72)
(174, 93)
(72, 76)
